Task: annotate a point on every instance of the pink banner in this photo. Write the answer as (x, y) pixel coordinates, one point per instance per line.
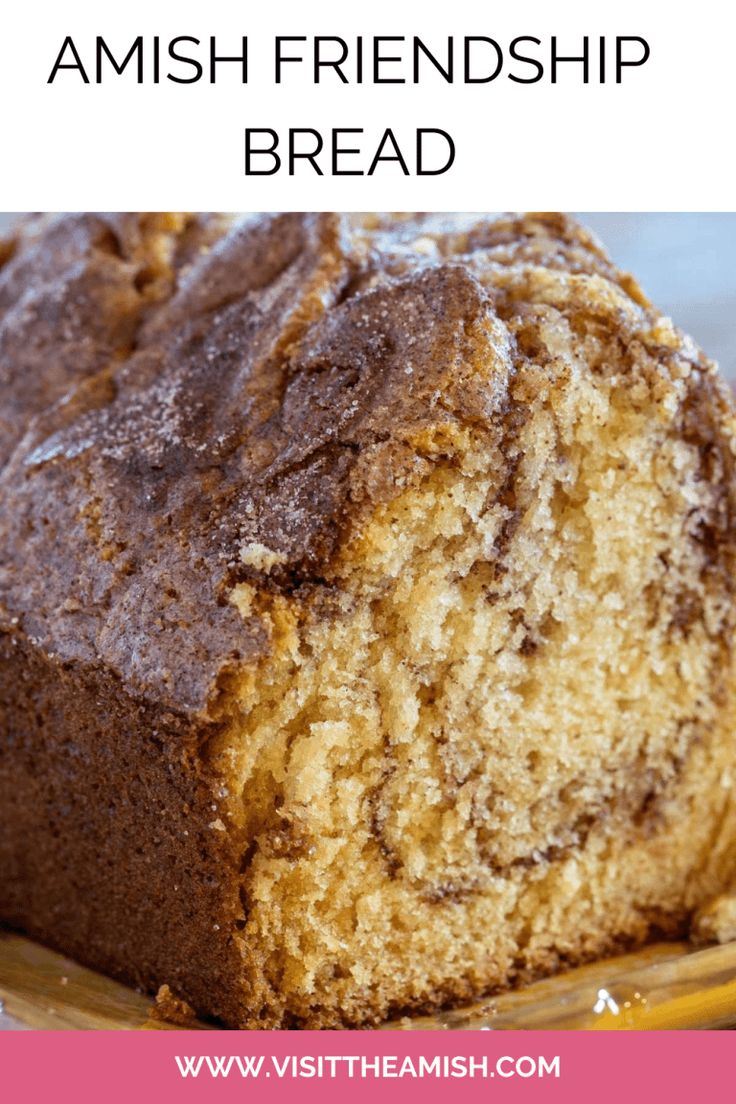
(595, 1067)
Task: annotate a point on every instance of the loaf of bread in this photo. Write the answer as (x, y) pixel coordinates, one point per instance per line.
(366, 608)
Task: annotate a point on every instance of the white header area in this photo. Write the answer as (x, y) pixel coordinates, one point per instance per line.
(534, 136)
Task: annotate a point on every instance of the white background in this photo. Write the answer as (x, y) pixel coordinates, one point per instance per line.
(662, 140)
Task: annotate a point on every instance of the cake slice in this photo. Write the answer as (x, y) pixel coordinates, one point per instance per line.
(366, 608)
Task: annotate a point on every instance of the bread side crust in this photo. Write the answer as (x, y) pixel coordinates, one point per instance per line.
(108, 847)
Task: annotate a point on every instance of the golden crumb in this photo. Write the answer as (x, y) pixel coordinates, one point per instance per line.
(716, 921)
(169, 1008)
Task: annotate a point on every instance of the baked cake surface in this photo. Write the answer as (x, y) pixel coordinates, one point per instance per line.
(366, 607)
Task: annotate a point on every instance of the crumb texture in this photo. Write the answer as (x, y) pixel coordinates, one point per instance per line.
(715, 922)
(422, 530)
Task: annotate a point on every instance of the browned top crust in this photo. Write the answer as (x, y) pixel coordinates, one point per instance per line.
(174, 390)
